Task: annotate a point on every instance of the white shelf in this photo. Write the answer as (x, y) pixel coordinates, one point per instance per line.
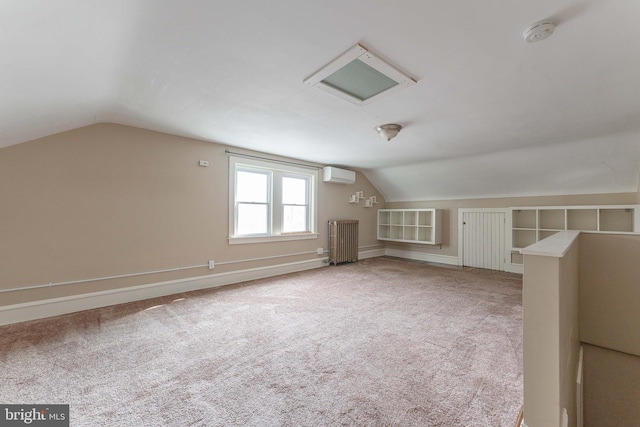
(410, 225)
(530, 225)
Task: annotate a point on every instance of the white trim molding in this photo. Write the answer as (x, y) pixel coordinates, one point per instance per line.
(422, 256)
(56, 306)
(371, 253)
(514, 268)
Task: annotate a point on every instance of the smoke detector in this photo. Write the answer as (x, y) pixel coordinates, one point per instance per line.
(539, 31)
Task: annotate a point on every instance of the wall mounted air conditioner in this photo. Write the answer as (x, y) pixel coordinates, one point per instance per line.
(338, 176)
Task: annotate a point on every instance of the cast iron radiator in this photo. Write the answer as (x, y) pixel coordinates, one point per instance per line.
(343, 240)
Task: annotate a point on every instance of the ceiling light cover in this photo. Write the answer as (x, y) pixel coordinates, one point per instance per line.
(359, 76)
(388, 131)
(359, 80)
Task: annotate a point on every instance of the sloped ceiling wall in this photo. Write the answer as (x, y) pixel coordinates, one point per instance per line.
(489, 116)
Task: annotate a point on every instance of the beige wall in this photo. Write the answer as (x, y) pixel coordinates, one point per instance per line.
(450, 212)
(108, 200)
(611, 388)
(610, 291)
(610, 319)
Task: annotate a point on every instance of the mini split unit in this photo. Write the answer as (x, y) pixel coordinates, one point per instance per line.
(338, 176)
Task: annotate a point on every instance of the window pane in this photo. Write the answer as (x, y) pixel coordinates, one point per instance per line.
(252, 219)
(294, 191)
(294, 219)
(251, 187)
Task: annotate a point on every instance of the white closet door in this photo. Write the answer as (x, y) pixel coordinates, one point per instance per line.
(484, 240)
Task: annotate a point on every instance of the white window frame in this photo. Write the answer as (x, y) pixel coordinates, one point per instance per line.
(277, 171)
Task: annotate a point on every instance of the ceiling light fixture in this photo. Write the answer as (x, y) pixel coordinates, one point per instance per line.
(389, 131)
(539, 31)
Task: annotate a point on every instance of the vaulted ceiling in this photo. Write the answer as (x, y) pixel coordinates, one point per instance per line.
(490, 115)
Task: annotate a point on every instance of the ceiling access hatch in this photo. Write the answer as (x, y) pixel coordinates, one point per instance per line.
(359, 76)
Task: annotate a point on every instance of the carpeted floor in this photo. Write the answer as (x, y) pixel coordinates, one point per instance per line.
(380, 342)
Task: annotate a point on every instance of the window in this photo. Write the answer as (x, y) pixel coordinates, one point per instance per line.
(270, 201)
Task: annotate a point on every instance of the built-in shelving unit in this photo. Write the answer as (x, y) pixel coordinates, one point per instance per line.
(410, 225)
(532, 224)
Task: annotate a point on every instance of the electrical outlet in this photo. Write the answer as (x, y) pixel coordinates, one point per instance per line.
(203, 163)
(212, 264)
(320, 251)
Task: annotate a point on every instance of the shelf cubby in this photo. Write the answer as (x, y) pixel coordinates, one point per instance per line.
(523, 238)
(424, 217)
(410, 232)
(516, 257)
(616, 219)
(582, 219)
(543, 234)
(524, 218)
(384, 218)
(551, 219)
(410, 218)
(396, 232)
(424, 233)
(397, 218)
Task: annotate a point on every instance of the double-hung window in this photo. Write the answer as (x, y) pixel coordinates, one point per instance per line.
(270, 201)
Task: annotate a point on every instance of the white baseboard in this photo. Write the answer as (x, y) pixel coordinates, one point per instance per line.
(56, 306)
(422, 256)
(514, 268)
(372, 253)
(442, 259)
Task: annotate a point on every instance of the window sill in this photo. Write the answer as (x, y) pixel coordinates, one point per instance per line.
(267, 239)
